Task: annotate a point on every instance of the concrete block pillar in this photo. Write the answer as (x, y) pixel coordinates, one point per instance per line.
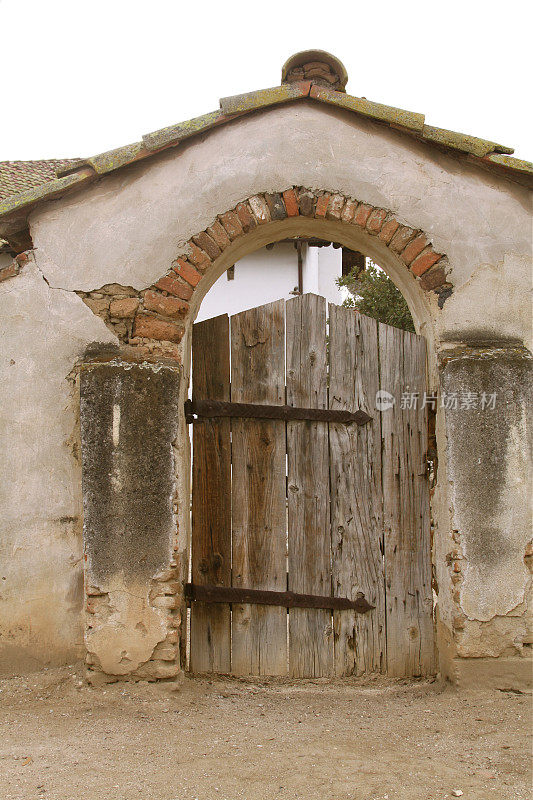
(486, 395)
(129, 417)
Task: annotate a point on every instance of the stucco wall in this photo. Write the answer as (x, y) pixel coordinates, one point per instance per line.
(481, 221)
(43, 332)
(129, 227)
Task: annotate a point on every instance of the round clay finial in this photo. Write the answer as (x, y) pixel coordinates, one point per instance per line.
(317, 66)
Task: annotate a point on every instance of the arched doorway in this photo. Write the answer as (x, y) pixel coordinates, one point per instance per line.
(344, 552)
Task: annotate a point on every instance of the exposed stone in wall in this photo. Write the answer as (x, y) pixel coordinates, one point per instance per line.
(116, 305)
(12, 269)
(129, 418)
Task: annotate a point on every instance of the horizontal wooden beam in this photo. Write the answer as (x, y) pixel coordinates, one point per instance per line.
(197, 409)
(230, 594)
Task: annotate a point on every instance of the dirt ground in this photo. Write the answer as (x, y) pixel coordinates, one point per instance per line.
(259, 740)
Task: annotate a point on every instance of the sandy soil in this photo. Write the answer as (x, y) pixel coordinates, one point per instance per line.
(232, 740)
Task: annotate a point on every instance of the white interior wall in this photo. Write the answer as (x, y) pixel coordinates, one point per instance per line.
(329, 269)
(268, 275)
(261, 277)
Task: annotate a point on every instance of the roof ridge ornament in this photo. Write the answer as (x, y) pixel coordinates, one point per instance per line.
(317, 66)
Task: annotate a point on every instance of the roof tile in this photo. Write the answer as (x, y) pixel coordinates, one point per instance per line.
(251, 101)
(462, 141)
(396, 116)
(20, 176)
(47, 190)
(516, 164)
(24, 183)
(175, 133)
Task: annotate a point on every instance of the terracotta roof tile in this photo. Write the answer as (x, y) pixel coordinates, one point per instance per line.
(25, 183)
(19, 176)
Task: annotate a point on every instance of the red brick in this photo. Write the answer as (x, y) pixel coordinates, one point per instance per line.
(291, 203)
(362, 214)
(198, 257)
(306, 202)
(335, 206)
(231, 224)
(433, 278)
(348, 212)
(10, 271)
(425, 260)
(208, 244)
(259, 208)
(322, 205)
(150, 327)
(91, 605)
(246, 217)
(171, 307)
(276, 206)
(217, 232)
(170, 284)
(124, 308)
(22, 258)
(414, 248)
(375, 220)
(187, 272)
(401, 238)
(388, 230)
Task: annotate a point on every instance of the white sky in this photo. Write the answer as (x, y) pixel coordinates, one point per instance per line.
(83, 77)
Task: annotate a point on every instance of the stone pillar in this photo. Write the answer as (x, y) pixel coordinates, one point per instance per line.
(129, 417)
(486, 393)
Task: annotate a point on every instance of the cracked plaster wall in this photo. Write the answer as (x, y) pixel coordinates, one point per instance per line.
(43, 332)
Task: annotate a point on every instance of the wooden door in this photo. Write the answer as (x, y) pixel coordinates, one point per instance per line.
(310, 523)
(406, 519)
(259, 632)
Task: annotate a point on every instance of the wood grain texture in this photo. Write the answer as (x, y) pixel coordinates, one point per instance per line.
(259, 633)
(356, 493)
(211, 497)
(309, 538)
(410, 636)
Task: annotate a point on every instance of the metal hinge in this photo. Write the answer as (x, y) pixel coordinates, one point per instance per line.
(231, 594)
(198, 409)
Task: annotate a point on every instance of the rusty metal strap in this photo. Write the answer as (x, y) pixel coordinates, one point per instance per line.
(230, 594)
(198, 409)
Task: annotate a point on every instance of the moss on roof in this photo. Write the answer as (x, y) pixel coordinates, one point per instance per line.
(17, 177)
(23, 184)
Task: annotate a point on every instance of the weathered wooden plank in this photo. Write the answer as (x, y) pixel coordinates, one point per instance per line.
(211, 498)
(356, 493)
(310, 630)
(410, 637)
(259, 633)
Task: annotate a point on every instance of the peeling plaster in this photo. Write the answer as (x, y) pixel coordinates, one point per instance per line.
(125, 628)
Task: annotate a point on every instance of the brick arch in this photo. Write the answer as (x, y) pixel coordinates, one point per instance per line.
(164, 307)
